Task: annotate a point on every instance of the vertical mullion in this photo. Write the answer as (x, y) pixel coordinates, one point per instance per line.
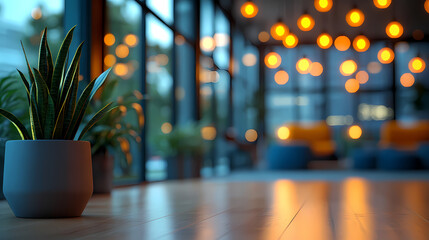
(143, 102)
(174, 103)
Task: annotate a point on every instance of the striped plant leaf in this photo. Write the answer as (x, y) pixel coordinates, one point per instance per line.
(42, 96)
(100, 80)
(99, 115)
(43, 58)
(25, 82)
(50, 118)
(71, 105)
(59, 123)
(36, 129)
(18, 125)
(57, 76)
(30, 73)
(70, 73)
(50, 66)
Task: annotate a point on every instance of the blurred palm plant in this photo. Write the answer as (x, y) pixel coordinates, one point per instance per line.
(54, 109)
(115, 132)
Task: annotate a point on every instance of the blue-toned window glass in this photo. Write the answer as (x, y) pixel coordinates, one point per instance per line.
(123, 52)
(24, 20)
(207, 26)
(222, 40)
(185, 18)
(162, 8)
(184, 92)
(159, 82)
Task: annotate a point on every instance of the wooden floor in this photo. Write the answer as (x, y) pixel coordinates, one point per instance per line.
(353, 208)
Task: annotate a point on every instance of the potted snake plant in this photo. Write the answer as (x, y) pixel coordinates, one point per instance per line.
(49, 173)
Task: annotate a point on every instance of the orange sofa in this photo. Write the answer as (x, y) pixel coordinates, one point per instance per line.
(317, 135)
(404, 136)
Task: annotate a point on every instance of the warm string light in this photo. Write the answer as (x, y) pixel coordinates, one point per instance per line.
(305, 22)
(290, 41)
(264, 36)
(361, 43)
(316, 69)
(251, 135)
(362, 77)
(303, 65)
(348, 67)
(417, 65)
(355, 132)
(352, 85)
(279, 31)
(249, 10)
(407, 80)
(394, 29)
(324, 41)
(281, 77)
(385, 55)
(355, 17)
(382, 4)
(272, 60)
(342, 43)
(323, 5)
(427, 6)
(283, 133)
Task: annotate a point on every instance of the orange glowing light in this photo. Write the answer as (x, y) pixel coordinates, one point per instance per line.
(427, 6)
(355, 132)
(355, 17)
(303, 65)
(324, 41)
(109, 39)
(352, 85)
(342, 43)
(407, 80)
(249, 10)
(348, 67)
(283, 133)
(251, 135)
(305, 22)
(290, 41)
(394, 29)
(207, 44)
(416, 65)
(36, 13)
(263, 36)
(122, 51)
(120, 69)
(208, 133)
(272, 60)
(281, 77)
(382, 3)
(166, 128)
(109, 60)
(316, 69)
(323, 5)
(385, 55)
(361, 43)
(131, 40)
(362, 77)
(279, 31)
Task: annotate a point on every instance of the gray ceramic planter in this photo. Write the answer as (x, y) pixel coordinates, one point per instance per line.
(47, 178)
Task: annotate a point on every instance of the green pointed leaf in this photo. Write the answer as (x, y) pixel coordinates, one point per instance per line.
(99, 81)
(18, 125)
(30, 73)
(99, 115)
(50, 66)
(57, 76)
(71, 73)
(81, 106)
(36, 129)
(42, 97)
(50, 118)
(71, 104)
(25, 82)
(43, 58)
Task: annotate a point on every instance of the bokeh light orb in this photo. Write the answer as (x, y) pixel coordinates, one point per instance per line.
(355, 132)
(279, 31)
(316, 69)
(407, 80)
(382, 4)
(249, 10)
(305, 22)
(303, 65)
(394, 29)
(352, 85)
(362, 77)
(355, 17)
(342, 43)
(361, 43)
(281, 77)
(416, 65)
(263, 37)
(251, 135)
(290, 41)
(272, 60)
(324, 41)
(348, 67)
(283, 133)
(385, 55)
(323, 5)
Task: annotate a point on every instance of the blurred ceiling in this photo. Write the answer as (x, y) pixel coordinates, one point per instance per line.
(410, 13)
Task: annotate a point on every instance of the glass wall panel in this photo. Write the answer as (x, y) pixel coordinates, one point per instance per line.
(162, 8)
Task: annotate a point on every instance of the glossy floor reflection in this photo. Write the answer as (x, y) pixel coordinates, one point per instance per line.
(353, 208)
